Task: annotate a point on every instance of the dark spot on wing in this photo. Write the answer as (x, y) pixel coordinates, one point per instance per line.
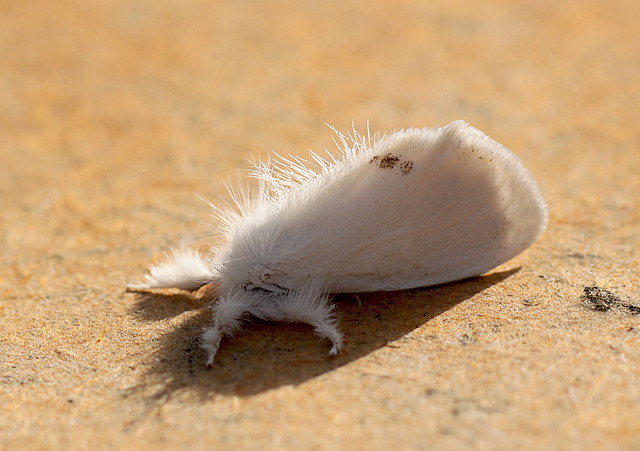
(387, 161)
(406, 167)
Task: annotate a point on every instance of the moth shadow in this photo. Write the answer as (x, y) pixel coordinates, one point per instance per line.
(265, 355)
(159, 306)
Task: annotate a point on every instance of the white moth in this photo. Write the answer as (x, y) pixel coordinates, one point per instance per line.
(409, 209)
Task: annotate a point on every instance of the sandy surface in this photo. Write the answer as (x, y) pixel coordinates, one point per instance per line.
(113, 114)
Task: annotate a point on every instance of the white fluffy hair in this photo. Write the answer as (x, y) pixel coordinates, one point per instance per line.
(413, 208)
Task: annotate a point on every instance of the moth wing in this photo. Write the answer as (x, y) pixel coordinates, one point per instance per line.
(421, 207)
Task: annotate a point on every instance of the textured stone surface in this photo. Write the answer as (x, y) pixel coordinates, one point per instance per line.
(112, 114)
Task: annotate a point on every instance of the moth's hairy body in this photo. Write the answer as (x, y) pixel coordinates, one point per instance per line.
(414, 208)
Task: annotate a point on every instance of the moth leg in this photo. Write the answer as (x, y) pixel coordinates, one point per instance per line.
(185, 269)
(313, 307)
(228, 314)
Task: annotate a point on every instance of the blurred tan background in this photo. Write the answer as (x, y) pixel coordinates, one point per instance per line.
(113, 114)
